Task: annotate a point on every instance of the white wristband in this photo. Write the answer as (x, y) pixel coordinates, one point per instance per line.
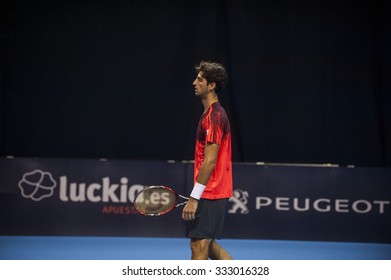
(197, 191)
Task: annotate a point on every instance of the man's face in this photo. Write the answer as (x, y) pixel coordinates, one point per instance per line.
(200, 84)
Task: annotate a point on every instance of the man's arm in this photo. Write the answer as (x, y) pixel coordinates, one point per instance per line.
(210, 159)
(207, 167)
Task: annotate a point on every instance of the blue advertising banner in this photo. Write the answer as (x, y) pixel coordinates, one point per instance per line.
(311, 203)
(95, 198)
(84, 197)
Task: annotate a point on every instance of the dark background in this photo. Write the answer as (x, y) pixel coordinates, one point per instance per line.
(309, 80)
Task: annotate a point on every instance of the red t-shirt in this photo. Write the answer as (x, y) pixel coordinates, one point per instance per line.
(214, 127)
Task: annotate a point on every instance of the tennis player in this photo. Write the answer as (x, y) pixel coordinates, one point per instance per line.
(208, 203)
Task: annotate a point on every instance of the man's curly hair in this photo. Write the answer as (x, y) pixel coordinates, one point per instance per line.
(213, 72)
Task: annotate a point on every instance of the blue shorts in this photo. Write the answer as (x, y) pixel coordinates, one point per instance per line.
(209, 219)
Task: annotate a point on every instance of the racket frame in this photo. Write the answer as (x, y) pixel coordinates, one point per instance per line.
(174, 205)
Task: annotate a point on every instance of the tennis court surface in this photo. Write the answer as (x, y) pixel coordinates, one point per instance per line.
(134, 248)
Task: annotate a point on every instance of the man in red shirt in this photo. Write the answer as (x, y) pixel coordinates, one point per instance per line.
(208, 203)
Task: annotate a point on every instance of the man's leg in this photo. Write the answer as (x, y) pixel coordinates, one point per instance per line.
(200, 248)
(216, 252)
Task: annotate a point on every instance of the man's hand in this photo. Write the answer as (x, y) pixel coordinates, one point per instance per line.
(188, 213)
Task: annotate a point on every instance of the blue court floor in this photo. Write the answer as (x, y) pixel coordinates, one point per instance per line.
(130, 248)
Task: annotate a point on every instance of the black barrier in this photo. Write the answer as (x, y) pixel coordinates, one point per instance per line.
(308, 80)
(94, 197)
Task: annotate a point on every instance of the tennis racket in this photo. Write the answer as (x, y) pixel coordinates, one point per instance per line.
(157, 201)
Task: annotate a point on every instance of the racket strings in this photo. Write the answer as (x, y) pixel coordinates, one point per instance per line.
(154, 201)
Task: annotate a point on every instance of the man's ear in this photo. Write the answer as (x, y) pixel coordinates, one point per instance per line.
(212, 86)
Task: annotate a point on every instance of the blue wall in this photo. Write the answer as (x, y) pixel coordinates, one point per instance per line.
(94, 198)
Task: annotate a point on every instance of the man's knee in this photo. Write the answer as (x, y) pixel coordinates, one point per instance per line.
(217, 252)
(200, 248)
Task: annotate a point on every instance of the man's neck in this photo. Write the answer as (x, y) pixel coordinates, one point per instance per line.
(209, 100)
